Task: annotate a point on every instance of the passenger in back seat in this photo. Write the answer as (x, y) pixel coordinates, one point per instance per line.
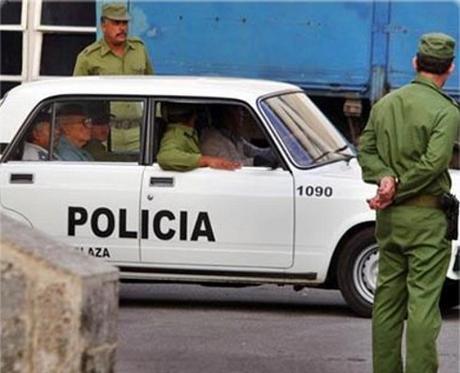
(179, 149)
(36, 147)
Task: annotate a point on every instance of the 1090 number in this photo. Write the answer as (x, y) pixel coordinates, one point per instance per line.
(315, 191)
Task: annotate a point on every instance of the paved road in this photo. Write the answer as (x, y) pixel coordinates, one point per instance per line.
(193, 329)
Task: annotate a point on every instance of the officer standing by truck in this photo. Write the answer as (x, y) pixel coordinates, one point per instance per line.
(405, 149)
(115, 53)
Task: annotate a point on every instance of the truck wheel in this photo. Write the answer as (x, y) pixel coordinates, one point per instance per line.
(357, 271)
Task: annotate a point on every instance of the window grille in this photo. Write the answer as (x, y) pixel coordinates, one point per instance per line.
(42, 38)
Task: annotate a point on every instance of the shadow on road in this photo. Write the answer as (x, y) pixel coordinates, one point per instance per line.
(242, 306)
(240, 300)
(255, 299)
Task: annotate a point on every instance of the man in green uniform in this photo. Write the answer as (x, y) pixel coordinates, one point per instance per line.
(98, 145)
(179, 148)
(405, 149)
(115, 53)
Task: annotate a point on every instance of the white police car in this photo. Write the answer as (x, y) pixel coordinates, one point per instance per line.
(303, 222)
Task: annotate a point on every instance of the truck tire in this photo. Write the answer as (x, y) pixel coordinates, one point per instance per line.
(357, 271)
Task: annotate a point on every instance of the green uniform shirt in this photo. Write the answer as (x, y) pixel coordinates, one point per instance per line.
(98, 59)
(410, 135)
(99, 152)
(96, 148)
(179, 150)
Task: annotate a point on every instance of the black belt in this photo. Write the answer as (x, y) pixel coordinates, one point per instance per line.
(423, 200)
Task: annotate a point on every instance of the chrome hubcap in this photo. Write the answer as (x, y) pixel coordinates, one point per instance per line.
(365, 272)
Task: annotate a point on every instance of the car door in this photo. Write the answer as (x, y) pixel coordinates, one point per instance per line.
(93, 208)
(210, 217)
(215, 218)
(91, 205)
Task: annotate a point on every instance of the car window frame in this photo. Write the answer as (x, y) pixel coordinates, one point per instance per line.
(53, 100)
(213, 101)
(282, 145)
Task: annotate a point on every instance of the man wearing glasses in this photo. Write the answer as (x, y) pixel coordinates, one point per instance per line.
(76, 132)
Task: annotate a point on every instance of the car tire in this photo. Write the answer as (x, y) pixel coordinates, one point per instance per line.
(357, 271)
(357, 275)
(450, 294)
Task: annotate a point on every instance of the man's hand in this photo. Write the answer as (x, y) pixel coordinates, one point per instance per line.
(376, 203)
(387, 188)
(385, 194)
(218, 163)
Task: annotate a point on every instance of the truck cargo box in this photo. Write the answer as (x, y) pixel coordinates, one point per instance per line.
(340, 49)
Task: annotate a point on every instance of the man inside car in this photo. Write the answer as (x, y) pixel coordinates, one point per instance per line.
(76, 132)
(225, 139)
(36, 147)
(179, 149)
(99, 144)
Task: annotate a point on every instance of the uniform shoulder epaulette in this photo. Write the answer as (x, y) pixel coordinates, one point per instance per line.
(451, 100)
(92, 47)
(188, 135)
(135, 39)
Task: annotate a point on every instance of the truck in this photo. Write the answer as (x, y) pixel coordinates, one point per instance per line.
(345, 55)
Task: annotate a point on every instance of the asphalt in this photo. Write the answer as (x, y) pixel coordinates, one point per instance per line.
(268, 329)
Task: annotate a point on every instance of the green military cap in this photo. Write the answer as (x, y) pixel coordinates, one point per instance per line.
(437, 45)
(175, 110)
(115, 11)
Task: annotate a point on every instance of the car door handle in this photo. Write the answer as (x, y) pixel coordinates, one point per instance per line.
(161, 181)
(21, 179)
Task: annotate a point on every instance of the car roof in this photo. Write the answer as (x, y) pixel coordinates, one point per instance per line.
(23, 98)
(189, 86)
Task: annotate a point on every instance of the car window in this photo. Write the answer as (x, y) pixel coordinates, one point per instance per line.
(226, 130)
(306, 133)
(83, 130)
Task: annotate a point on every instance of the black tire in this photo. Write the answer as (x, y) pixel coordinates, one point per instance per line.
(357, 271)
(358, 288)
(450, 294)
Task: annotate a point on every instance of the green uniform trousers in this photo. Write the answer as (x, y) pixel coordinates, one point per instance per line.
(413, 261)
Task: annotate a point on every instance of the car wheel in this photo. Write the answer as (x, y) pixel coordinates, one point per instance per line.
(357, 271)
(357, 275)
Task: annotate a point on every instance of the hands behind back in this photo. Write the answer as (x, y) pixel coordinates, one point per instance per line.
(385, 194)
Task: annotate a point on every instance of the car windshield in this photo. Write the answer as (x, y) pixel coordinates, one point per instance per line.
(306, 133)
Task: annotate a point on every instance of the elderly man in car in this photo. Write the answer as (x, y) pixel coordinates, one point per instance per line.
(76, 132)
(36, 147)
(225, 139)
